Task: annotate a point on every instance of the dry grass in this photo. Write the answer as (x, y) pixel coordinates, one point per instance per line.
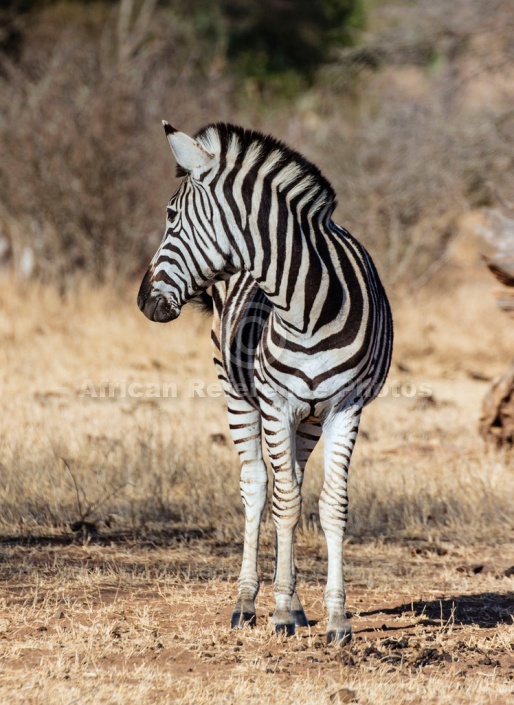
(133, 460)
(133, 605)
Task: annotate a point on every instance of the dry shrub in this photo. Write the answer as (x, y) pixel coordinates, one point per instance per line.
(433, 136)
(85, 171)
(80, 181)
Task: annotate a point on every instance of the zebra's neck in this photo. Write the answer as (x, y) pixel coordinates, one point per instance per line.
(293, 264)
(274, 216)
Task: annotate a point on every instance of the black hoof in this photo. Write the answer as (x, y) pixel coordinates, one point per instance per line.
(300, 618)
(243, 619)
(287, 629)
(340, 637)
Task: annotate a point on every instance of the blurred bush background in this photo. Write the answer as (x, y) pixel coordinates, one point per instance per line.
(406, 105)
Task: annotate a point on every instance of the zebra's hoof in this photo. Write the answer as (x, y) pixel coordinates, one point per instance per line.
(339, 637)
(286, 629)
(242, 619)
(300, 618)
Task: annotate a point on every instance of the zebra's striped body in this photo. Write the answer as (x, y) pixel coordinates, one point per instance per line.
(302, 333)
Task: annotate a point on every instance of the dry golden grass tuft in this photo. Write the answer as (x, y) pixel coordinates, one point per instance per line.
(120, 518)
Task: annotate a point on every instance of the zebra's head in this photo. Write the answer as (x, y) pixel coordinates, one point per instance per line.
(194, 251)
(241, 190)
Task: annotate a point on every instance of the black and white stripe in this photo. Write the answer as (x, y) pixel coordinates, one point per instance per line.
(302, 333)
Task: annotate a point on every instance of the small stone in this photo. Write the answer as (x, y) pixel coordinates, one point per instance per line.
(343, 695)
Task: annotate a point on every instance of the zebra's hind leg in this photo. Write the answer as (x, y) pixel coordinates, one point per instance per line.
(340, 431)
(245, 428)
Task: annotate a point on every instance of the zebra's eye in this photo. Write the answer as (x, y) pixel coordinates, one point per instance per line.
(170, 213)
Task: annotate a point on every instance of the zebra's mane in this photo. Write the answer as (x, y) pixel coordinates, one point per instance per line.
(239, 144)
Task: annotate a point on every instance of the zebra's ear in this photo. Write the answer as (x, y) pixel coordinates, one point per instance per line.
(189, 153)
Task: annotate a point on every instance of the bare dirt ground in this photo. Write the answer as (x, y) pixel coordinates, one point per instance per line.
(127, 619)
(120, 520)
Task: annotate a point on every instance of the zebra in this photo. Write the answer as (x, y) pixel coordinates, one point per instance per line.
(302, 336)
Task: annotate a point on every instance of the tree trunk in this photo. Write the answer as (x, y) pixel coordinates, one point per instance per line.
(496, 423)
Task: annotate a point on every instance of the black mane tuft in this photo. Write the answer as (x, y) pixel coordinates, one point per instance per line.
(270, 144)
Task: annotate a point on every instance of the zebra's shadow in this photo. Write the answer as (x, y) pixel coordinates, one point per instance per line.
(485, 610)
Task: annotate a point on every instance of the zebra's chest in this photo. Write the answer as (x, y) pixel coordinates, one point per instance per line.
(261, 357)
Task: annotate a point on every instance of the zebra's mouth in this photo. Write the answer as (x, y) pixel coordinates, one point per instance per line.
(156, 308)
(155, 305)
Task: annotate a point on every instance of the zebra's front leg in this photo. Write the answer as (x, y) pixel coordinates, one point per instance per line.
(245, 428)
(307, 436)
(280, 441)
(340, 431)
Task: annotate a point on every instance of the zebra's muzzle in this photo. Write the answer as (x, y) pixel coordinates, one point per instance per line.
(156, 308)
(154, 305)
